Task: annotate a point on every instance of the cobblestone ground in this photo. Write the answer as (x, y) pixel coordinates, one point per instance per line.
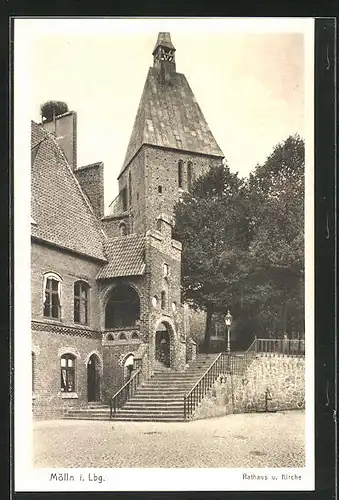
(247, 440)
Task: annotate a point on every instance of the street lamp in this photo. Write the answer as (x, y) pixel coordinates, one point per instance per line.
(228, 322)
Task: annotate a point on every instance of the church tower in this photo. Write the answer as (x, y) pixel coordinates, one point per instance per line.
(170, 145)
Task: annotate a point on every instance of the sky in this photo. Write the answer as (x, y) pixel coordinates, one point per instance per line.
(249, 83)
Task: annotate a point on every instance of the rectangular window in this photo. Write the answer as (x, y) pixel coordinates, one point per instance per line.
(81, 302)
(52, 299)
(67, 373)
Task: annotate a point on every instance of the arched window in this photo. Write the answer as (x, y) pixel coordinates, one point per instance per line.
(189, 176)
(123, 307)
(81, 302)
(163, 300)
(180, 168)
(166, 270)
(110, 337)
(130, 188)
(67, 366)
(135, 336)
(122, 336)
(52, 296)
(160, 189)
(122, 229)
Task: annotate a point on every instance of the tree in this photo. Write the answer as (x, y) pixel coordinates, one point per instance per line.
(211, 222)
(276, 202)
(243, 242)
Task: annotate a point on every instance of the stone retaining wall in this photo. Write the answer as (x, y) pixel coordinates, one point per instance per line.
(275, 380)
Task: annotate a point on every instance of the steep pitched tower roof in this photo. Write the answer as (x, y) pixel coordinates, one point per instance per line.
(168, 114)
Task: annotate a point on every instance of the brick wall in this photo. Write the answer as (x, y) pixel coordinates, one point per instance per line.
(161, 249)
(114, 357)
(91, 180)
(162, 170)
(137, 204)
(153, 167)
(282, 376)
(51, 338)
(48, 347)
(70, 268)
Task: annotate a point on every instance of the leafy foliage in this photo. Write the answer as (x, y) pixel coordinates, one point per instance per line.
(243, 242)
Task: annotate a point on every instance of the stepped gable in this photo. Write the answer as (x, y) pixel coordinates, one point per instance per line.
(125, 255)
(59, 208)
(169, 116)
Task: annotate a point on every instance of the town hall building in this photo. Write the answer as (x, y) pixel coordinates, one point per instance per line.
(106, 288)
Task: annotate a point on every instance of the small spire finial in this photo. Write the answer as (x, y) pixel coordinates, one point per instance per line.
(164, 56)
(164, 40)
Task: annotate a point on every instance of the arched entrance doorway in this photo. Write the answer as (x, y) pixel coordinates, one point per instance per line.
(128, 367)
(93, 378)
(162, 346)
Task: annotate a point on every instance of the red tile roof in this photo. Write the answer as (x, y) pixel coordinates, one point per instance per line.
(126, 256)
(60, 209)
(169, 116)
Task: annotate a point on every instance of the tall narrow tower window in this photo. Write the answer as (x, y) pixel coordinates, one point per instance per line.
(160, 189)
(159, 225)
(163, 300)
(123, 195)
(130, 188)
(180, 167)
(189, 176)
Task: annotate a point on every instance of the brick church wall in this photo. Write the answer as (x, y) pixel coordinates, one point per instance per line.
(137, 204)
(91, 180)
(162, 170)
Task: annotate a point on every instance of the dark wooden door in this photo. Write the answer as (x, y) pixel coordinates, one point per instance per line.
(93, 380)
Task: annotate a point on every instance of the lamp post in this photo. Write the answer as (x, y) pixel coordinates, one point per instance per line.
(228, 322)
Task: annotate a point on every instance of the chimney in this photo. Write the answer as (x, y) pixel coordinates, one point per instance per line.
(64, 127)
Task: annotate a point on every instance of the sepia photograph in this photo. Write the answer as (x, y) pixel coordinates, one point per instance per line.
(164, 250)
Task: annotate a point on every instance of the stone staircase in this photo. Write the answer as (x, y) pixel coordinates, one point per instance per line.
(160, 398)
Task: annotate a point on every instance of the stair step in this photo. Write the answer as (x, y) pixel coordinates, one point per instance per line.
(151, 407)
(149, 413)
(159, 399)
(150, 418)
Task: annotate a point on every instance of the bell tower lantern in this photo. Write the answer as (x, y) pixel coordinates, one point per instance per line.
(164, 56)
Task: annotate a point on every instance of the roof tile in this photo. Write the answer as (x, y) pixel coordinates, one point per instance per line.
(60, 209)
(125, 255)
(170, 106)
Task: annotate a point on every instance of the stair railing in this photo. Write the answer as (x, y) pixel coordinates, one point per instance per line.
(288, 347)
(199, 390)
(125, 392)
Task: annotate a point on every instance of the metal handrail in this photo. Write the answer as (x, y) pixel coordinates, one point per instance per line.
(202, 376)
(201, 386)
(250, 348)
(127, 390)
